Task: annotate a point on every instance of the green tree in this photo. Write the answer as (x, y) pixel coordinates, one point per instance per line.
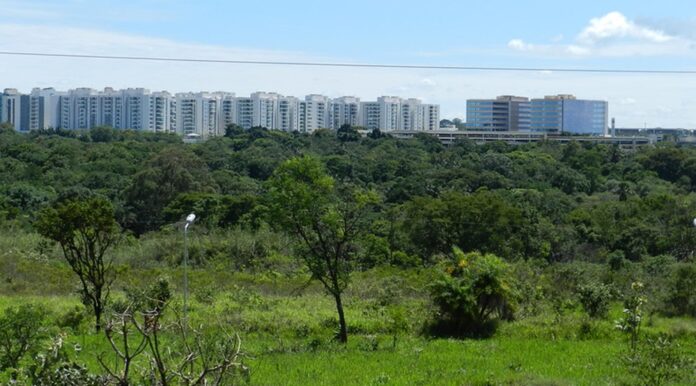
(325, 219)
(85, 230)
(232, 130)
(681, 291)
(346, 133)
(482, 221)
(595, 298)
(170, 172)
(21, 331)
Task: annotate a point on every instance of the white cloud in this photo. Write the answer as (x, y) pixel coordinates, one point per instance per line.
(520, 45)
(577, 50)
(428, 82)
(613, 35)
(615, 25)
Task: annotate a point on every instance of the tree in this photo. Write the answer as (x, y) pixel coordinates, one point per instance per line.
(482, 221)
(85, 229)
(326, 219)
(191, 356)
(171, 172)
(346, 133)
(232, 130)
(22, 329)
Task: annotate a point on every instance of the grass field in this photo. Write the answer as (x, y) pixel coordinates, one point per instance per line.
(288, 340)
(287, 325)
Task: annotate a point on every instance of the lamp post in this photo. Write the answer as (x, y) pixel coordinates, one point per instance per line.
(189, 220)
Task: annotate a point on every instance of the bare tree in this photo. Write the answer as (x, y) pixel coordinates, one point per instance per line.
(188, 356)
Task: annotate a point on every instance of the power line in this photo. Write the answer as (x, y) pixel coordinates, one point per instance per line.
(352, 65)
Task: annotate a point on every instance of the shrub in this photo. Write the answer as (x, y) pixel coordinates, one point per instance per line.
(473, 295)
(616, 260)
(595, 298)
(54, 367)
(73, 318)
(657, 361)
(681, 292)
(22, 329)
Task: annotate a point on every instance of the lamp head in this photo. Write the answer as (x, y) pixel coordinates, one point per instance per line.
(191, 218)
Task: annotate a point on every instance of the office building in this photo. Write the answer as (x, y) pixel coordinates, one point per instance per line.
(504, 113)
(567, 114)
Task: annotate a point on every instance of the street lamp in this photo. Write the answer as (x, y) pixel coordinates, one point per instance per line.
(189, 220)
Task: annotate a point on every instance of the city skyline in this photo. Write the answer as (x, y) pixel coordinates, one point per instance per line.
(207, 114)
(539, 34)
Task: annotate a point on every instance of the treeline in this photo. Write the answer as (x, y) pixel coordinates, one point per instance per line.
(549, 201)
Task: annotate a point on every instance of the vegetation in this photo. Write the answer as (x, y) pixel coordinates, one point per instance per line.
(473, 294)
(85, 230)
(472, 264)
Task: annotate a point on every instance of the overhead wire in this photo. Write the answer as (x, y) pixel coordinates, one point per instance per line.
(352, 65)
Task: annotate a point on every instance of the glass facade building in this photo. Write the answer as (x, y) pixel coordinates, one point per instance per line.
(505, 113)
(566, 114)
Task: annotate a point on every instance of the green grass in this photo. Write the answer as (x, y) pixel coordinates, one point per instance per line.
(287, 326)
(288, 340)
(447, 362)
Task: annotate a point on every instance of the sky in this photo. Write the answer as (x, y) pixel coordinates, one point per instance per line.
(637, 34)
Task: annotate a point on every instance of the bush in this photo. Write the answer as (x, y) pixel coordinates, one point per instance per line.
(73, 318)
(681, 292)
(473, 295)
(595, 298)
(22, 329)
(657, 361)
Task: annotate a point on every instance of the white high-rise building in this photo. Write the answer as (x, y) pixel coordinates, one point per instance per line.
(411, 115)
(197, 114)
(137, 109)
(431, 117)
(389, 113)
(210, 123)
(79, 109)
(265, 109)
(159, 112)
(315, 109)
(370, 115)
(288, 114)
(187, 114)
(245, 112)
(112, 110)
(344, 111)
(228, 110)
(207, 114)
(42, 110)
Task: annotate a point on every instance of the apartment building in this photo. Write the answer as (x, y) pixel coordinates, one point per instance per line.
(288, 118)
(314, 113)
(207, 114)
(344, 111)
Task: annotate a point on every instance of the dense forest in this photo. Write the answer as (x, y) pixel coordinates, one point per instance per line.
(544, 201)
(538, 228)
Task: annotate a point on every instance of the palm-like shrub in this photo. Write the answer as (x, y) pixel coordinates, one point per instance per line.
(473, 294)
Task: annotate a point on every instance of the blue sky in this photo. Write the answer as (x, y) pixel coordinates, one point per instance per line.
(531, 33)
